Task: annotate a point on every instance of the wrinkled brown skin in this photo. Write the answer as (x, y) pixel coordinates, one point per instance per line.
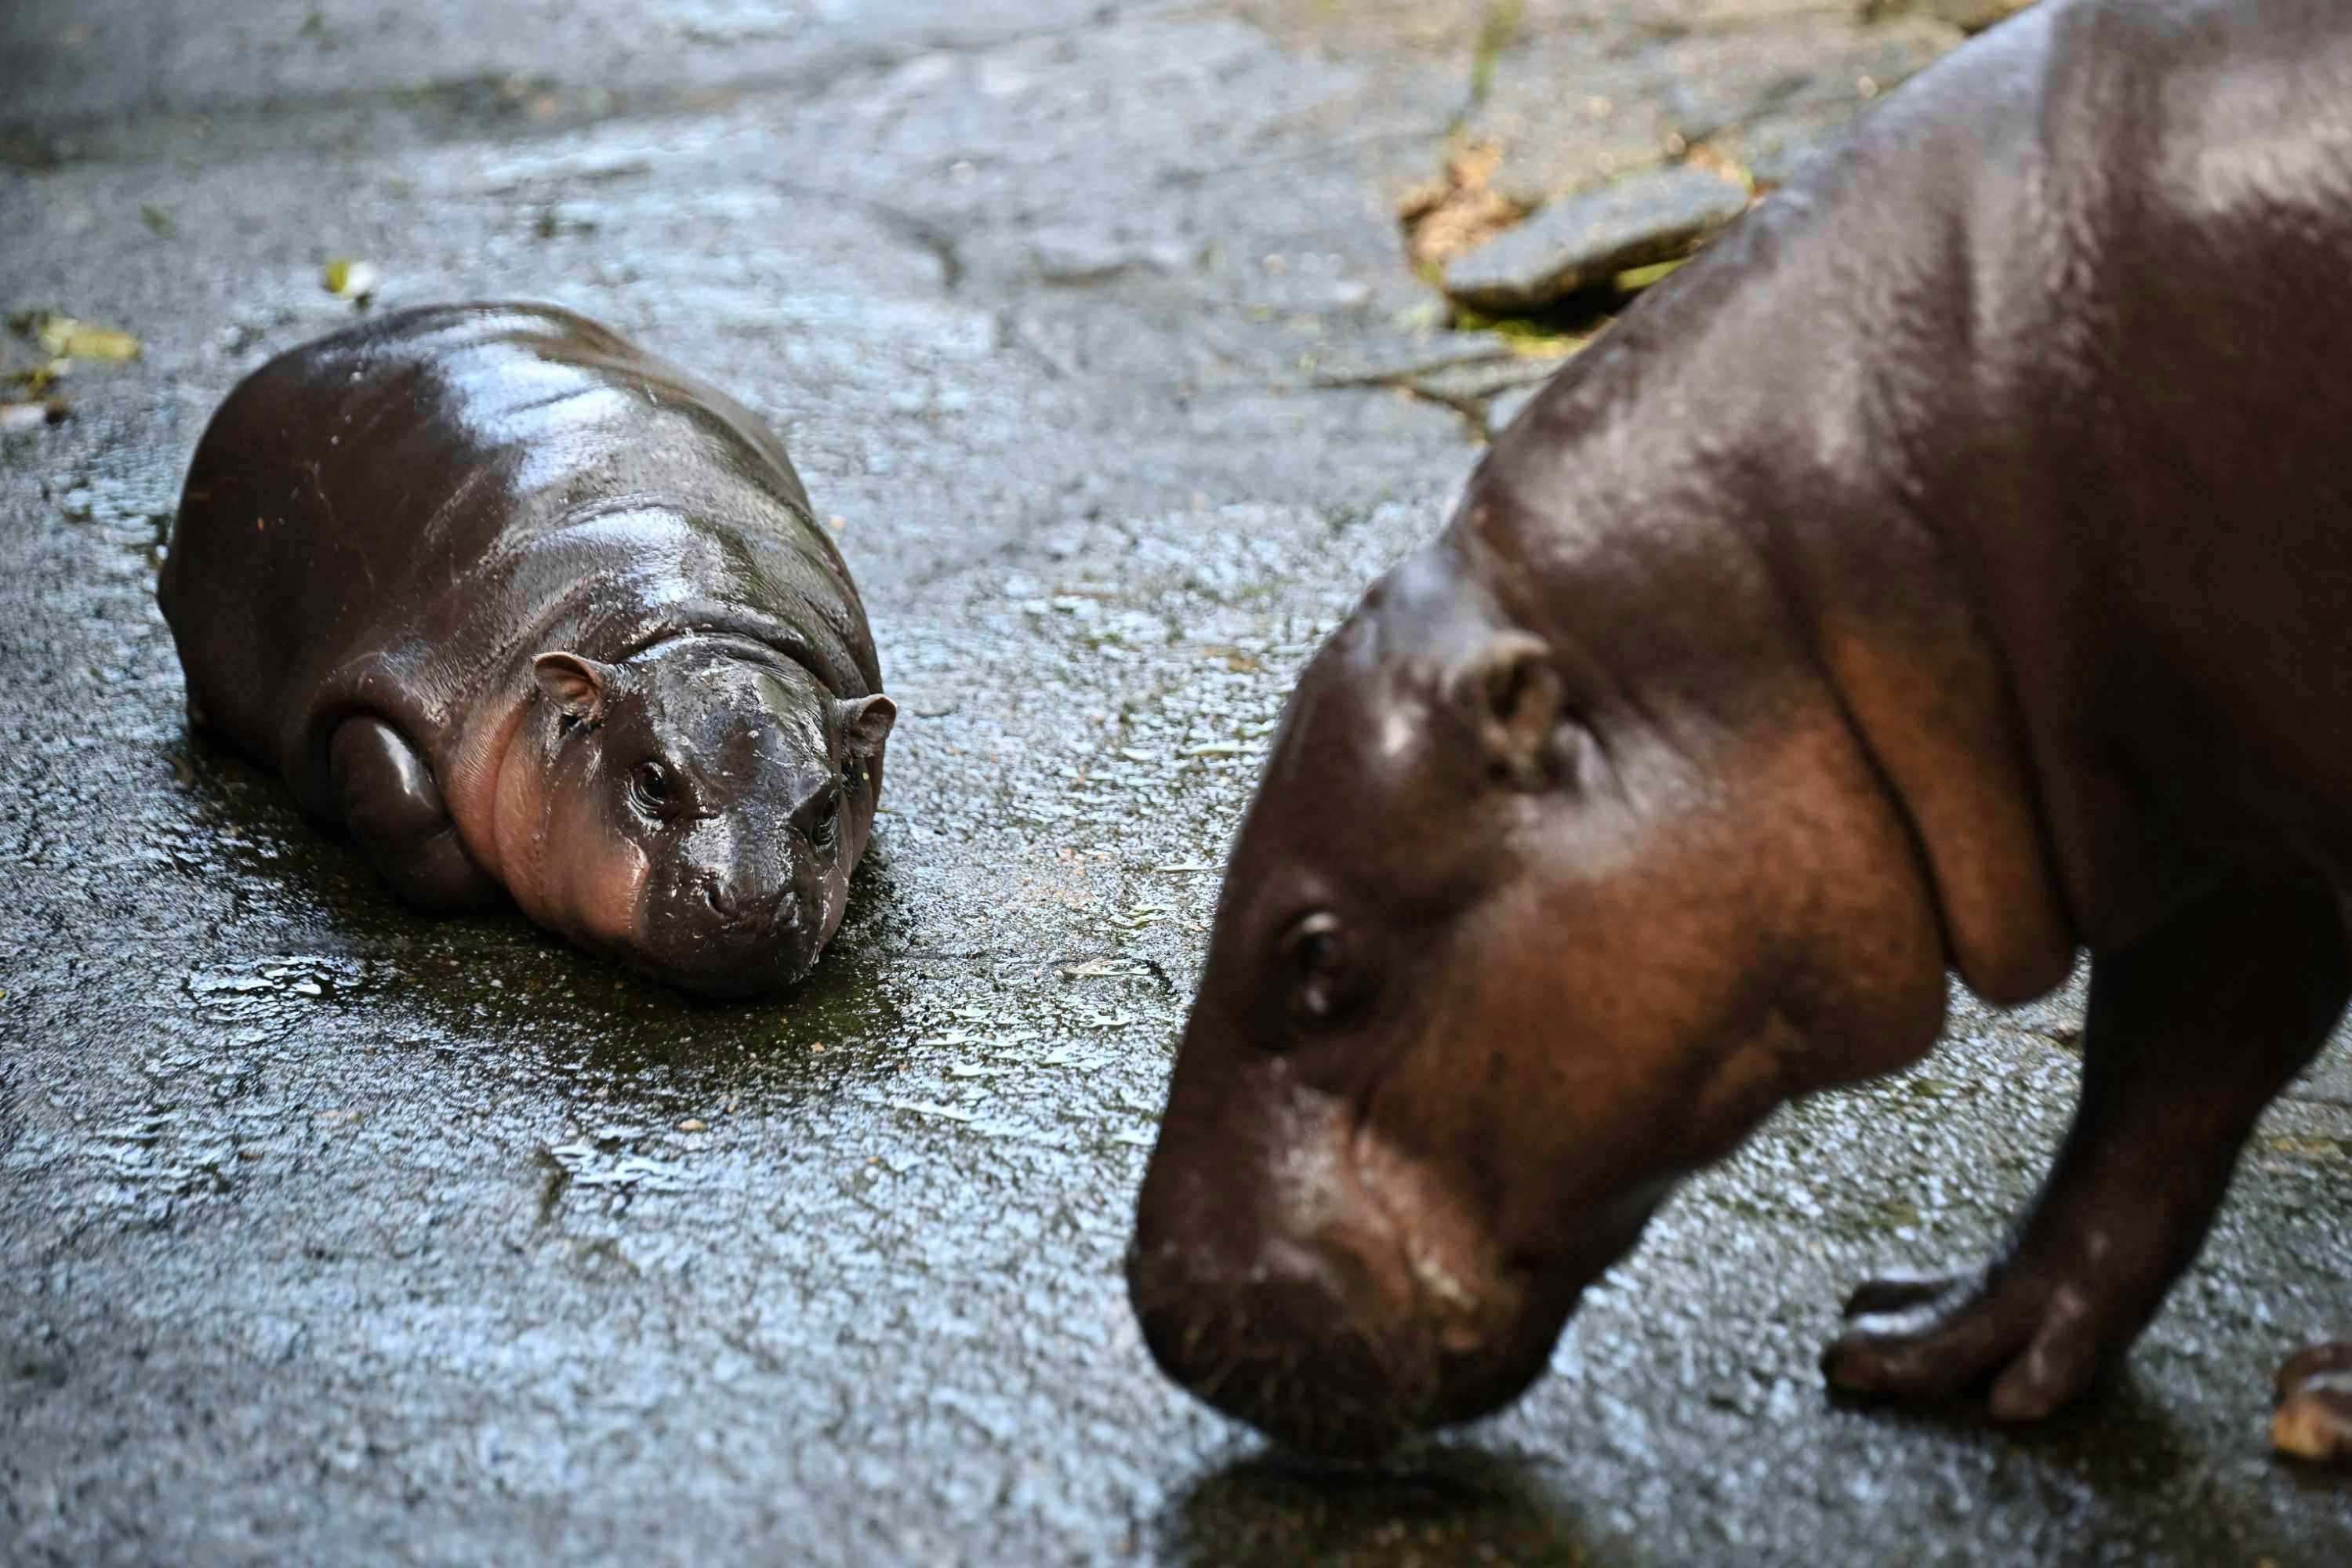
(1948, 569)
(463, 574)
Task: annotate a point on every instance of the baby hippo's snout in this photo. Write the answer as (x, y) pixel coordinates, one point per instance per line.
(736, 924)
(735, 903)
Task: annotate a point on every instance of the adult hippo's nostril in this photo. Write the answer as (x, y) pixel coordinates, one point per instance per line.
(1277, 1345)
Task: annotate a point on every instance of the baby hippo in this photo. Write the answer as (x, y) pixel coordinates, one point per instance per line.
(526, 608)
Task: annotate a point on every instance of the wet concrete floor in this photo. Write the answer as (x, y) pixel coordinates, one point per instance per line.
(332, 1233)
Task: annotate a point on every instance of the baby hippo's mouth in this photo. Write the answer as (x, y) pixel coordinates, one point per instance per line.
(709, 942)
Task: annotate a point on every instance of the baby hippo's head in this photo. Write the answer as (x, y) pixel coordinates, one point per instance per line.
(706, 803)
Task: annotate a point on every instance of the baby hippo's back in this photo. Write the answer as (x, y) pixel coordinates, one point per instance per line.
(397, 517)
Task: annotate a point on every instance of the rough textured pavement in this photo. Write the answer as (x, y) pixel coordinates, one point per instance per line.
(330, 1233)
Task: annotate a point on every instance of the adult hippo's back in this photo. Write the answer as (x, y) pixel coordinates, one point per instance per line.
(1950, 567)
(524, 607)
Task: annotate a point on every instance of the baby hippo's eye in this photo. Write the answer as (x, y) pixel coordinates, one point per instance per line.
(827, 830)
(651, 790)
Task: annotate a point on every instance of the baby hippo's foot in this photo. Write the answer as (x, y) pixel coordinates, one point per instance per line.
(2314, 1419)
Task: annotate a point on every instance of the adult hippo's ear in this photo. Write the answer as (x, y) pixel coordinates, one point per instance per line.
(865, 724)
(1512, 698)
(576, 686)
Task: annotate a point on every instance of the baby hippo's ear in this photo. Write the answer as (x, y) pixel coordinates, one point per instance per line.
(865, 724)
(576, 685)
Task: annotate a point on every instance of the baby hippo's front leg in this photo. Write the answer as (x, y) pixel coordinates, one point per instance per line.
(394, 809)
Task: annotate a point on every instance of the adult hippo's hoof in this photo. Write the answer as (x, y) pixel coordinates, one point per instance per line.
(1944, 570)
(2313, 1418)
(526, 608)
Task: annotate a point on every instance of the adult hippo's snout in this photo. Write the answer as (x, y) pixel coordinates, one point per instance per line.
(1276, 1343)
(1294, 1271)
(1281, 1302)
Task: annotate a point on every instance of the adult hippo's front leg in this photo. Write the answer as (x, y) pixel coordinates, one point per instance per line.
(2191, 1033)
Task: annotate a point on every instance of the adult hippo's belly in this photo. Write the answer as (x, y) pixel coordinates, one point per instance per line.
(1945, 571)
(532, 612)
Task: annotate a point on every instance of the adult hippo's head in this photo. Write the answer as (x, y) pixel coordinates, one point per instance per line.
(694, 811)
(1512, 939)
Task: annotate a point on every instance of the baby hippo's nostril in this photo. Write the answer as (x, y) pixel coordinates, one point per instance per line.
(737, 905)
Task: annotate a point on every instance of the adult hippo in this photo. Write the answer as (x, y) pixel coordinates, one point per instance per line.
(527, 608)
(1949, 568)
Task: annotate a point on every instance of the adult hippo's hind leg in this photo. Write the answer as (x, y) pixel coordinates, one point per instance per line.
(393, 809)
(2190, 1035)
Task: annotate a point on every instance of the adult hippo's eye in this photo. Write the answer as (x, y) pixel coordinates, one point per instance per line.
(826, 831)
(651, 790)
(1319, 964)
